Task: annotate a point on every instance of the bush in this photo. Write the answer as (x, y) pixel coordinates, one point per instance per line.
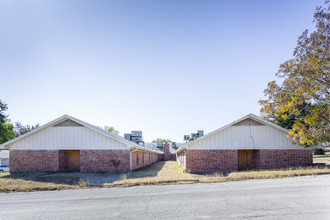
(115, 163)
(318, 151)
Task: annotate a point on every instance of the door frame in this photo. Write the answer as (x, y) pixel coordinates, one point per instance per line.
(247, 159)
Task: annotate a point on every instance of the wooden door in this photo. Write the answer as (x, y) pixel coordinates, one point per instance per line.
(241, 159)
(249, 157)
(245, 159)
(74, 160)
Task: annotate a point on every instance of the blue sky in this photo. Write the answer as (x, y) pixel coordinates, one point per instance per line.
(167, 68)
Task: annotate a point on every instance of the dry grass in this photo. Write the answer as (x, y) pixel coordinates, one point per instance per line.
(28, 182)
(267, 174)
(157, 174)
(170, 173)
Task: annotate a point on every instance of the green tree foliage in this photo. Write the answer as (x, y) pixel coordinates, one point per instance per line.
(162, 140)
(21, 129)
(301, 102)
(6, 128)
(111, 129)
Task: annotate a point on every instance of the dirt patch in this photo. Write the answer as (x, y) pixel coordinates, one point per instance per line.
(91, 179)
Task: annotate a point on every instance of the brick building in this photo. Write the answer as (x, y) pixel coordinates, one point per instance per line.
(248, 143)
(69, 144)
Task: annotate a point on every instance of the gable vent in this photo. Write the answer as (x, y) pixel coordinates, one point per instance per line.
(67, 123)
(248, 122)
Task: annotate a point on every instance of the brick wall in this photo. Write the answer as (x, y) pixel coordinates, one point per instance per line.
(63, 160)
(90, 160)
(34, 160)
(211, 161)
(173, 157)
(134, 158)
(100, 161)
(181, 159)
(142, 159)
(154, 158)
(146, 159)
(160, 157)
(166, 152)
(275, 159)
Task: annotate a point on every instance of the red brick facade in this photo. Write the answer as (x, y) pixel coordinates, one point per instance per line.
(100, 161)
(211, 161)
(173, 157)
(142, 159)
(90, 160)
(63, 162)
(34, 160)
(166, 152)
(181, 159)
(195, 161)
(275, 159)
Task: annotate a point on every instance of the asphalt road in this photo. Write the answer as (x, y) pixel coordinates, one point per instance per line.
(289, 198)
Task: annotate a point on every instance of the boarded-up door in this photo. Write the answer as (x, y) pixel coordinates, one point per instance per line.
(74, 160)
(245, 158)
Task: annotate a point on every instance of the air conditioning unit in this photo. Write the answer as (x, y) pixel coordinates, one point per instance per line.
(137, 133)
(193, 135)
(127, 137)
(200, 133)
(174, 145)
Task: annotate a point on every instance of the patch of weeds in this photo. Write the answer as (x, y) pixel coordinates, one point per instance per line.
(124, 177)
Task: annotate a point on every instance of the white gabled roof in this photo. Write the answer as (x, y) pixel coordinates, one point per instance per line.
(116, 137)
(251, 116)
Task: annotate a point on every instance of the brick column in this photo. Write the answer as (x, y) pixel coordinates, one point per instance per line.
(166, 152)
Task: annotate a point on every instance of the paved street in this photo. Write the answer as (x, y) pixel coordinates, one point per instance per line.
(290, 198)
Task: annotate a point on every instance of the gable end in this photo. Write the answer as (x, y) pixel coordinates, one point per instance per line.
(68, 123)
(248, 122)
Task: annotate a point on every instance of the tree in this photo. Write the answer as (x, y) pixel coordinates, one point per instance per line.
(301, 101)
(162, 140)
(6, 128)
(287, 121)
(20, 129)
(111, 129)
